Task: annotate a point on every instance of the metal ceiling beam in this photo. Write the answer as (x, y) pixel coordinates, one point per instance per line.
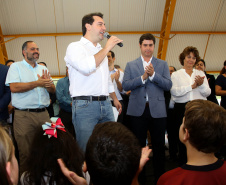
(166, 27)
(3, 52)
(115, 33)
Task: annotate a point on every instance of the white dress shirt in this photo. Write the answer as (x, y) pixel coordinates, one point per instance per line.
(145, 64)
(117, 93)
(182, 91)
(85, 78)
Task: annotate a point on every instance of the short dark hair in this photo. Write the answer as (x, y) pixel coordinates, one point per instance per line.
(206, 125)
(117, 66)
(43, 63)
(223, 70)
(24, 46)
(44, 154)
(8, 61)
(173, 68)
(112, 154)
(147, 36)
(88, 19)
(112, 54)
(187, 51)
(200, 60)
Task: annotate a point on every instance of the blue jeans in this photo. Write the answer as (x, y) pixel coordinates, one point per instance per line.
(86, 114)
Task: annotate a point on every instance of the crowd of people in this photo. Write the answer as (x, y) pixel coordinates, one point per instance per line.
(87, 144)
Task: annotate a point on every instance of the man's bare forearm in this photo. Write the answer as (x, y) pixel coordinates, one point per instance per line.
(113, 96)
(119, 85)
(51, 89)
(22, 87)
(99, 57)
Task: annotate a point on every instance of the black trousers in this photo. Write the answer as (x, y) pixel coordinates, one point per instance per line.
(66, 118)
(156, 126)
(179, 109)
(172, 130)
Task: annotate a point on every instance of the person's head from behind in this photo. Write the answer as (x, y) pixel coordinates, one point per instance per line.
(8, 163)
(204, 126)
(200, 65)
(189, 56)
(117, 66)
(147, 45)
(42, 64)
(9, 62)
(44, 153)
(112, 154)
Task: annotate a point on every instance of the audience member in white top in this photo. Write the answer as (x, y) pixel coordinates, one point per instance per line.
(188, 84)
(116, 77)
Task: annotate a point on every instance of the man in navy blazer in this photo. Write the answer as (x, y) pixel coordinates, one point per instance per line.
(5, 95)
(148, 77)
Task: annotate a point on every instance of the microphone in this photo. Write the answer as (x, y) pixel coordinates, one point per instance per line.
(106, 35)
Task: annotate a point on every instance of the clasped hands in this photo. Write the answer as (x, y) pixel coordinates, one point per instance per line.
(115, 76)
(198, 81)
(149, 71)
(44, 80)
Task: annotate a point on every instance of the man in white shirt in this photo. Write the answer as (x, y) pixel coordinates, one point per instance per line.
(116, 77)
(90, 82)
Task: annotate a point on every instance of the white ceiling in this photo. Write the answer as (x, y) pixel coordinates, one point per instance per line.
(64, 16)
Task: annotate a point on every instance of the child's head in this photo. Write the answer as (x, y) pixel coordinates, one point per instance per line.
(112, 154)
(44, 154)
(8, 162)
(205, 122)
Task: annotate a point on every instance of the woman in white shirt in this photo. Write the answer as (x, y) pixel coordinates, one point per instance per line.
(188, 84)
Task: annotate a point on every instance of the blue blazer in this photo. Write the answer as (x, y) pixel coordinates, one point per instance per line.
(154, 89)
(5, 93)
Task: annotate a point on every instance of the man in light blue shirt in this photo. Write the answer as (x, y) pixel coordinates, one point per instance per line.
(29, 84)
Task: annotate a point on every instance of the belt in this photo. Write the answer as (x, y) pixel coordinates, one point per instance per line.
(93, 98)
(33, 110)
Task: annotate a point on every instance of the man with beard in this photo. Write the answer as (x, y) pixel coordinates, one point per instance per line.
(30, 85)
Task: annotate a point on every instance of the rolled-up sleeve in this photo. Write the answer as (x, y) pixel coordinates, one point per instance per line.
(204, 89)
(13, 75)
(178, 89)
(79, 59)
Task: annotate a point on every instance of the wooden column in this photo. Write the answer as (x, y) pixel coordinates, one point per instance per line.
(3, 52)
(166, 27)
